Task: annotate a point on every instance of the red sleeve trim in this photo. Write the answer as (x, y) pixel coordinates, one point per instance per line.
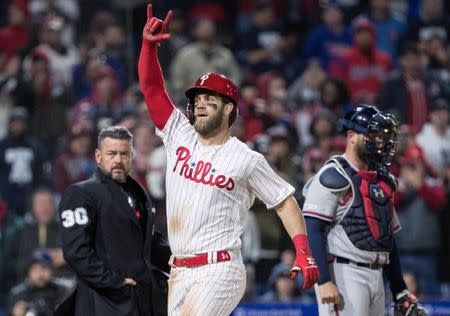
(318, 215)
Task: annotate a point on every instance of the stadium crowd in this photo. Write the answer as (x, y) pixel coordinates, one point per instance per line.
(69, 68)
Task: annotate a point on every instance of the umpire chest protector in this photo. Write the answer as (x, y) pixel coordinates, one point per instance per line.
(368, 219)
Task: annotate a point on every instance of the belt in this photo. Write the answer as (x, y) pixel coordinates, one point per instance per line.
(373, 266)
(201, 259)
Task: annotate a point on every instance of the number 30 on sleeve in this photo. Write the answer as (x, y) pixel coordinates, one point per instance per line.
(78, 216)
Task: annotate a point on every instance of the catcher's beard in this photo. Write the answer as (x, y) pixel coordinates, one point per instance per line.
(360, 151)
(209, 125)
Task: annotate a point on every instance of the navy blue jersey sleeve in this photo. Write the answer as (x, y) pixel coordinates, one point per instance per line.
(317, 241)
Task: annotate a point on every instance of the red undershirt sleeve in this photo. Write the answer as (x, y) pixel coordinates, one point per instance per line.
(151, 80)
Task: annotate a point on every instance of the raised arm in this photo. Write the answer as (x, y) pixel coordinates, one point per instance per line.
(151, 79)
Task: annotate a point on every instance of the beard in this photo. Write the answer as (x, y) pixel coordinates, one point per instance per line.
(206, 126)
(360, 151)
(118, 173)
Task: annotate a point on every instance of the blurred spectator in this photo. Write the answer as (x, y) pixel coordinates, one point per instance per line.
(99, 22)
(331, 38)
(431, 18)
(408, 91)
(434, 138)
(144, 142)
(62, 57)
(83, 72)
(251, 240)
(304, 91)
(68, 10)
(266, 45)
(272, 86)
(9, 73)
(444, 220)
(362, 67)
(15, 35)
(251, 109)
(334, 97)
(113, 53)
(389, 29)
(156, 171)
(322, 130)
(40, 231)
(76, 163)
(21, 162)
(419, 200)
(10, 223)
(435, 54)
(105, 105)
(47, 100)
(250, 295)
(312, 161)
(277, 115)
(287, 257)
(283, 288)
(279, 153)
(39, 293)
(203, 55)
(179, 39)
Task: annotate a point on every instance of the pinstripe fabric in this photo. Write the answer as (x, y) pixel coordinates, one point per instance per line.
(211, 188)
(213, 289)
(209, 192)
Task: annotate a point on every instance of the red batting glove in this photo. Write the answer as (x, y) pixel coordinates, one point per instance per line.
(304, 262)
(155, 30)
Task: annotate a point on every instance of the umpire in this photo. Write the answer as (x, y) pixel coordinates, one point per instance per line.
(109, 238)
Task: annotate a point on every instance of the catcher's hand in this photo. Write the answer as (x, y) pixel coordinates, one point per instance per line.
(155, 30)
(406, 304)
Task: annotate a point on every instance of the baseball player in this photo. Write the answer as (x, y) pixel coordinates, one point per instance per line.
(211, 180)
(351, 221)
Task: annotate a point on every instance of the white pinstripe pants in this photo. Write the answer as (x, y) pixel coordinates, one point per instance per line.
(212, 289)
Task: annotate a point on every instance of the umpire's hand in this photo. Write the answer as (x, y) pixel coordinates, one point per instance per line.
(129, 281)
(155, 30)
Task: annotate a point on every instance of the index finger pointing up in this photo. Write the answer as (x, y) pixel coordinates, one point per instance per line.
(149, 11)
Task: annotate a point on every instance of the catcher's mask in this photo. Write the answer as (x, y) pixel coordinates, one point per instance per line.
(216, 83)
(380, 130)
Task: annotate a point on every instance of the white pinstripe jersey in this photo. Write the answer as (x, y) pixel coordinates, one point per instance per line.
(211, 188)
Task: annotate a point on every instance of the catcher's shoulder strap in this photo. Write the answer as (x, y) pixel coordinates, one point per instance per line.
(334, 177)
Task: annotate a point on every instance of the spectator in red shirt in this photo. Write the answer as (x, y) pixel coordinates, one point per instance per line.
(362, 67)
(14, 36)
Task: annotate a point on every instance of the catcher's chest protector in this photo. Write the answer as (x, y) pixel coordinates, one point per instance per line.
(368, 222)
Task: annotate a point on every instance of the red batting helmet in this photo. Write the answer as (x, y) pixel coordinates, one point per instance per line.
(217, 83)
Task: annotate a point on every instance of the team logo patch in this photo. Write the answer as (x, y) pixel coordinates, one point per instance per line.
(203, 79)
(377, 194)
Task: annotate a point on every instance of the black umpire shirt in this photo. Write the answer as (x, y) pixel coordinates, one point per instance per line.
(108, 234)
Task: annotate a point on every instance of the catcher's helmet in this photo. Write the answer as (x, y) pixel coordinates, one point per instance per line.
(217, 83)
(380, 129)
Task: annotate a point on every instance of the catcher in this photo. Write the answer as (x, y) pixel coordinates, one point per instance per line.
(351, 221)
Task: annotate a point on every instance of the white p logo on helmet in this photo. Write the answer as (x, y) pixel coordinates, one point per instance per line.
(203, 79)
